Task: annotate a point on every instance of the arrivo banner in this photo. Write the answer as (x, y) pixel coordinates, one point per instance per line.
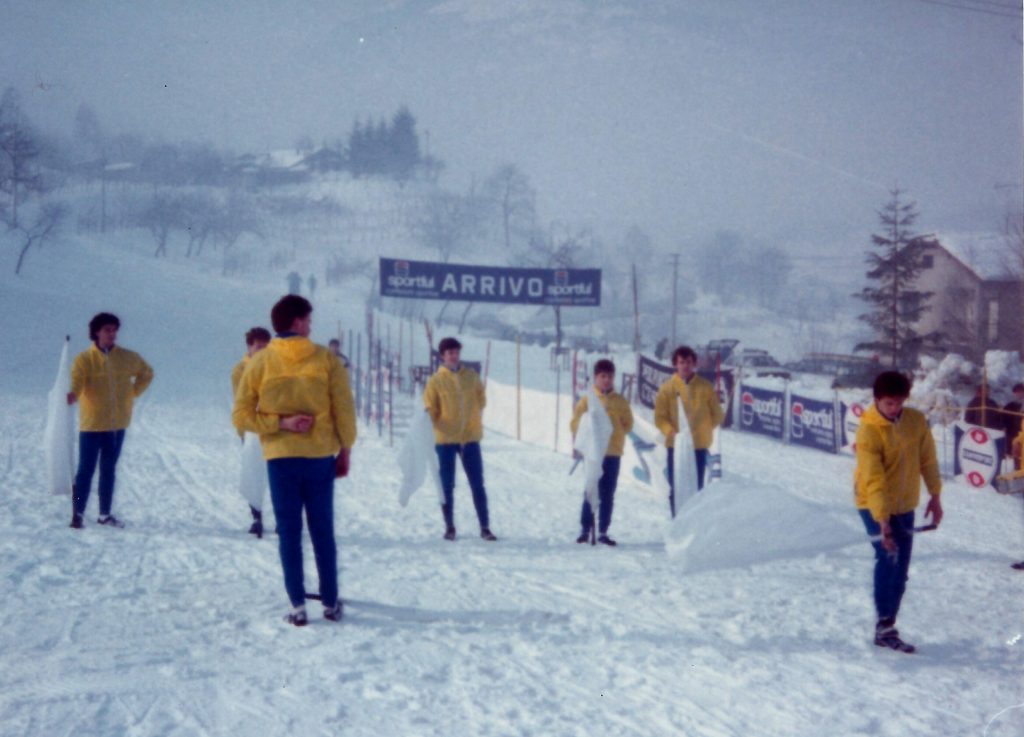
(761, 411)
(812, 423)
(978, 455)
(651, 374)
(431, 280)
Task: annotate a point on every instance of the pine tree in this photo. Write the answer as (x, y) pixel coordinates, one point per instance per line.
(895, 305)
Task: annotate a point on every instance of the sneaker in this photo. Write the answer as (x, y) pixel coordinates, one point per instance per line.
(449, 534)
(256, 529)
(1015, 566)
(109, 520)
(892, 640)
(297, 616)
(487, 535)
(605, 540)
(76, 521)
(333, 613)
(886, 635)
(584, 538)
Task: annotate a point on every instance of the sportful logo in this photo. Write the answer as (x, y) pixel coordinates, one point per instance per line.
(561, 278)
(402, 279)
(803, 417)
(759, 407)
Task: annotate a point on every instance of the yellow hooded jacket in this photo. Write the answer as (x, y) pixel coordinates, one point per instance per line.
(106, 384)
(619, 413)
(892, 457)
(700, 401)
(236, 373)
(293, 376)
(455, 401)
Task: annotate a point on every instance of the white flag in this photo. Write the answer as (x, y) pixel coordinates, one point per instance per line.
(592, 437)
(253, 481)
(684, 463)
(59, 435)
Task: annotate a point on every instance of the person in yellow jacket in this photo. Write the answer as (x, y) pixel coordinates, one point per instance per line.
(256, 339)
(1017, 450)
(895, 450)
(703, 412)
(621, 417)
(295, 395)
(105, 380)
(454, 398)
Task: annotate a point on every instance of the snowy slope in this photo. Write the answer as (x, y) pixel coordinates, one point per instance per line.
(173, 625)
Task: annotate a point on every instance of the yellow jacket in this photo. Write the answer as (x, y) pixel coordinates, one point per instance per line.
(236, 373)
(700, 401)
(619, 413)
(106, 384)
(455, 401)
(892, 457)
(293, 376)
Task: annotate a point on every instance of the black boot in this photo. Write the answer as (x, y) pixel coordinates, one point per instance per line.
(76, 521)
(257, 523)
(449, 522)
(886, 635)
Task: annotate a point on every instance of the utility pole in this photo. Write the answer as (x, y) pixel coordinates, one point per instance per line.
(636, 313)
(675, 294)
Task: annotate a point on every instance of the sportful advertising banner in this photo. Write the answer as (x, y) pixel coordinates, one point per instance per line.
(851, 414)
(812, 423)
(650, 375)
(430, 280)
(761, 411)
(979, 453)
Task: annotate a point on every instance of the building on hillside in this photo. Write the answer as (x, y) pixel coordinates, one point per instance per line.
(977, 301)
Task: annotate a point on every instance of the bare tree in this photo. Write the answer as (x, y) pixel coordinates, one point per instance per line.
(45, 225)
(19, 150)
(511, 192)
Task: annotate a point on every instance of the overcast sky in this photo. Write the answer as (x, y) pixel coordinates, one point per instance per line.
(784, 120)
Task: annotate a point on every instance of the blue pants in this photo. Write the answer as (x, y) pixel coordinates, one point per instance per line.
(701, 456)
(473, 465)
(605, 497)
(297, 483)
(891, 569)
(106, 448)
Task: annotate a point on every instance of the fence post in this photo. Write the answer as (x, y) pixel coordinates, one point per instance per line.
(519, 400)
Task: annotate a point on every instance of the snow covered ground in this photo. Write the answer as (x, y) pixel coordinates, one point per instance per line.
(173, 626)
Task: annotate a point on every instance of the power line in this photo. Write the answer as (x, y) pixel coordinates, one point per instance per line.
(970, 9)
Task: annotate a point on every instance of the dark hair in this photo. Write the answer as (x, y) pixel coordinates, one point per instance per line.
(1017, 388)
(448, 344)
(97, 322)
(683, 351)
(891, 384)
(604, 366)
(288, 309)
(257, 334)
(334, 342)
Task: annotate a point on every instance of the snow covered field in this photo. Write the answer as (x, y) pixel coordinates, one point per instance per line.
(173, 625)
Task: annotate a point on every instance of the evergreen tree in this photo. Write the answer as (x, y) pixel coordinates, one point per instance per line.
(895, 306)
(404, 145)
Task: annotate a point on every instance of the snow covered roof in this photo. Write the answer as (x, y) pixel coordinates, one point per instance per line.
(986, 254)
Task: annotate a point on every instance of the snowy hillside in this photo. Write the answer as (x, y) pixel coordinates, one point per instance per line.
(173, 625)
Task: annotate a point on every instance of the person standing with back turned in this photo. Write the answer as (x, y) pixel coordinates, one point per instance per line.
(296, 396)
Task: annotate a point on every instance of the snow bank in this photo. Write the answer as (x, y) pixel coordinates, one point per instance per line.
(739, 522)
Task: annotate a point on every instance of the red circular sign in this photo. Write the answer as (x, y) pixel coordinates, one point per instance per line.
(979, 436)
(975, 479)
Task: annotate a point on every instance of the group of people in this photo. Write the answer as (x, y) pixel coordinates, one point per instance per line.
(294, 395)
(984, 411)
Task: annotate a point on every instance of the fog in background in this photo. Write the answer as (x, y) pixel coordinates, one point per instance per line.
(786, 120)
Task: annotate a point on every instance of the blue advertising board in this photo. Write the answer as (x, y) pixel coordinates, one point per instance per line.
(812, 423)
(761, 411)
(431, 280)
